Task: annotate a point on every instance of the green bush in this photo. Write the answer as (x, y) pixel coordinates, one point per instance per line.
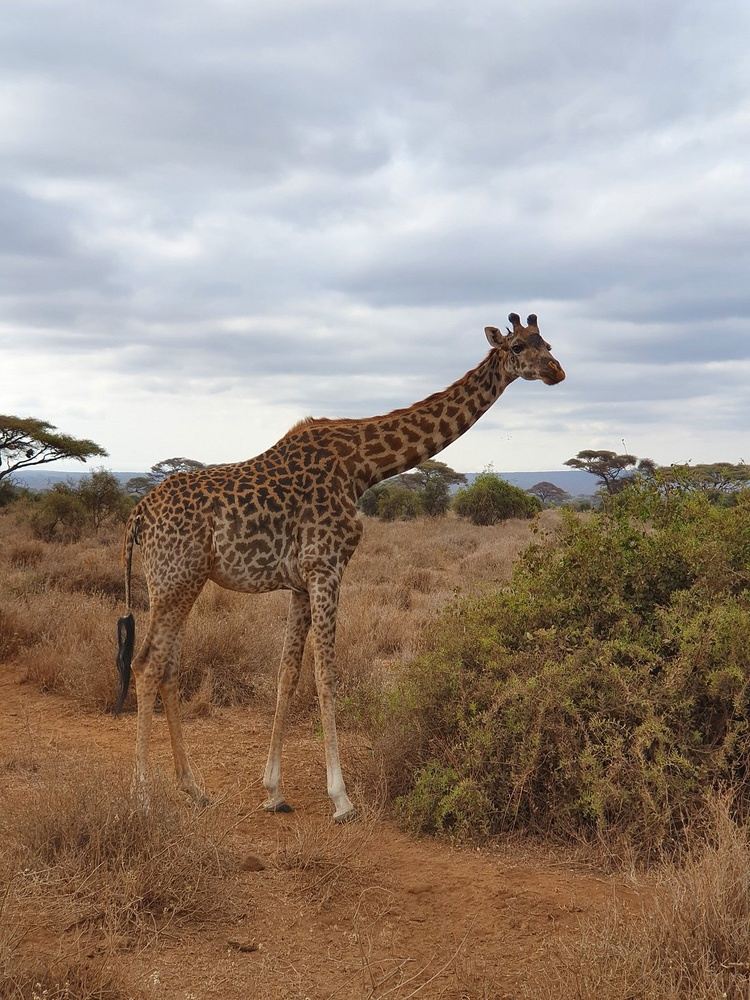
(368, 502)
(64, 512)
(436, 497)
(59, 514)
(602, 692)
(10, 492)
(490, 499)
(398, 503)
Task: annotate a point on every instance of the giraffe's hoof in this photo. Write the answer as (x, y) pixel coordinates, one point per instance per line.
(278, 807)
(346, 817)
(198, 797)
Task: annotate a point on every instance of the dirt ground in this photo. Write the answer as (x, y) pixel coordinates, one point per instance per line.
(397, 917)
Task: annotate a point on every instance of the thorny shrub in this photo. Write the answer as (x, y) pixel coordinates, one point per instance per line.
(599, 695)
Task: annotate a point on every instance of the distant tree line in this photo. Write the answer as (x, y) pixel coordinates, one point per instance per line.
(426, 491)
(720, 481)
(66, 509)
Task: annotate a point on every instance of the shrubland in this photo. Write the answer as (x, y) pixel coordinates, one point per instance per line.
(599, 695)
(59, 602)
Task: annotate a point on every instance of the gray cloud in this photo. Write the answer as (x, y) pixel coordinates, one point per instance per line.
(325, 202)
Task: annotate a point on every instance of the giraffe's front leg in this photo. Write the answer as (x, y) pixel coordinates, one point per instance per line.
(324, 594)
(297, 627)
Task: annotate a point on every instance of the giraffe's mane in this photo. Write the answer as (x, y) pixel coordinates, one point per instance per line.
(307, 422)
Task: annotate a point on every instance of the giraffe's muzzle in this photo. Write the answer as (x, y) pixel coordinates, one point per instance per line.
(553, 374)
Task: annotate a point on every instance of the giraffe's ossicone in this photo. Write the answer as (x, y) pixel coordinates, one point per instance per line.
(287, 520)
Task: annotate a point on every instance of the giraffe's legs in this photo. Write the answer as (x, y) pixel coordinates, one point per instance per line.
(154, 668)
(297, 627)
(145, 687)
(324, 595)
(185, 777)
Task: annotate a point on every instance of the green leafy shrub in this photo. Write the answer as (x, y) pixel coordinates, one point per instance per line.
(65, 512)
(104, 499)
(59, 514)
(603, 691)
(490, 499)
(398, 503)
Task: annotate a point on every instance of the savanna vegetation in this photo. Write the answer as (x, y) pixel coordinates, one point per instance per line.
(577, 679)
(601, 694)
(426, 491)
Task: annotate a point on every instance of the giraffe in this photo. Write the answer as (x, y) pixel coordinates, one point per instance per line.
(288, 519)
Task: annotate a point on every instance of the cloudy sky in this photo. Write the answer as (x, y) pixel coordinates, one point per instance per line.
(218, 217)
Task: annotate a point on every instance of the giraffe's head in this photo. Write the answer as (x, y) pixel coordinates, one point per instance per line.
(526, 352)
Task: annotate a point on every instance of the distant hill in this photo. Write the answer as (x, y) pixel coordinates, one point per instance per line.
(572, 480)
(42, 479)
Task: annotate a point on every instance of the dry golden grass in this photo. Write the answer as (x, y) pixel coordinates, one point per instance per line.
(85, 849)
(691, 943)
(59, 604)
(67, 978)
(331, 862)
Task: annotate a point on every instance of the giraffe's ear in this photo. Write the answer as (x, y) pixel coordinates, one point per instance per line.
(494, 336)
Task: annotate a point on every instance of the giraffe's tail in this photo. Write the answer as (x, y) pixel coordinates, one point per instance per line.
(126, 624)
(125, 645)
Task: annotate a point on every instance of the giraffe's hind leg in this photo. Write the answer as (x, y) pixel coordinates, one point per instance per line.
(185, 777)
(155, 669)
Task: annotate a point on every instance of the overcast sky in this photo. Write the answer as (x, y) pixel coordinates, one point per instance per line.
(216, 218)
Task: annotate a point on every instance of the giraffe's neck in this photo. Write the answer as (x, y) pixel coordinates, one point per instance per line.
(400, 440)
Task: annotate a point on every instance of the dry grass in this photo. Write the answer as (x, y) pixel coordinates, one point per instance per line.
(25, 554)
(691, 943)
(59, 604)
(68, 978)
(331, 861)
(455, 975)
(92, 857)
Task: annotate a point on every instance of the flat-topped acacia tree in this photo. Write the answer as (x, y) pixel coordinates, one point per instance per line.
(26, 441)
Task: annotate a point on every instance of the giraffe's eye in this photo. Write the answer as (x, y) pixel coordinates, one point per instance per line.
(517, 348)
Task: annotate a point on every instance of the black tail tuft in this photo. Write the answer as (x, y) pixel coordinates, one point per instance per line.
(125, 645)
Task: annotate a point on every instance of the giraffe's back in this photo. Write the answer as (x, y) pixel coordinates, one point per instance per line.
(249, 526)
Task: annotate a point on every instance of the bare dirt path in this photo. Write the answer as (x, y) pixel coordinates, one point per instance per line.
(394, 908)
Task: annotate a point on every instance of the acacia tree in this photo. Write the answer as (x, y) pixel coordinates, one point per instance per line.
(140, 485)
(103, 497)
(26, 441)
(548, 492)
(612, 470)
(719, 480)
(429, 472)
